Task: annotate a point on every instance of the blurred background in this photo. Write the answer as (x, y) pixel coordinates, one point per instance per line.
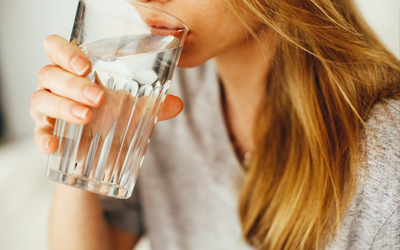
(26, 193)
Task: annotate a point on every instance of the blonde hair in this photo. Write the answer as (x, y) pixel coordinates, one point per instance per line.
(328, 71)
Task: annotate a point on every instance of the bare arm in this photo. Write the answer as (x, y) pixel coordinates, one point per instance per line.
(77, 222)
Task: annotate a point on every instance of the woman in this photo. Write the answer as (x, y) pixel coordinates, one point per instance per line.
(290, 136)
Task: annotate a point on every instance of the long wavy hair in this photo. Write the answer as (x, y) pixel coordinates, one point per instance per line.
(328, 71)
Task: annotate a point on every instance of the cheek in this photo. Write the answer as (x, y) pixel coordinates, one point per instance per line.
(198, 49)
(202, 46)
(214, 29)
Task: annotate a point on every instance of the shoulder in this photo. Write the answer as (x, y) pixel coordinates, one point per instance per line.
(384, 116)
(380, 142)
(378, 197)
(380, 145)
(372, 219)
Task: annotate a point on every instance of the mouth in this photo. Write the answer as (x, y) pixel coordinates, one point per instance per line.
(188, 37)
(163, 28)
(161, 24)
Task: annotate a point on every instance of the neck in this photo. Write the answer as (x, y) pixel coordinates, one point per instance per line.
(243, 71)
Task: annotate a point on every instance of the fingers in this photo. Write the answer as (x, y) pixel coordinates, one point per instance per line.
(70, 86)
(66, 55)
(72, 112)
(172, 106)
(45, 140)
(41, 120)
(60, 107)
(70, 95)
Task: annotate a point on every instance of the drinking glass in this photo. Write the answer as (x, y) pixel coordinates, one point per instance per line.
(133, 49)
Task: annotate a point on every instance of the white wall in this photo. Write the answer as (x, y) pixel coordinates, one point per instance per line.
(25, 23)
(383, 16)
(23, 26)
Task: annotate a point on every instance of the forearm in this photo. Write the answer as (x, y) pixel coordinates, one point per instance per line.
(77, 221)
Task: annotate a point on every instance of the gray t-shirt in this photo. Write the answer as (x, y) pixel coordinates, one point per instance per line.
(187, 193)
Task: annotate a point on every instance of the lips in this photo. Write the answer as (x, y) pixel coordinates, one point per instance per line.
(162, 28)
(159, 24)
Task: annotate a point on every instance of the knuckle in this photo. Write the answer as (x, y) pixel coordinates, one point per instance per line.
(43, 72)
(36, 129)
(33, 114)
(37, 135)
(36, 116)
(61, 109)
(49, 39)
(70, 79)
(34, 98)
(66, 50)
(57, 106)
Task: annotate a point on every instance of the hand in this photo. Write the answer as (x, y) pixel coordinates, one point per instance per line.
(63, 92)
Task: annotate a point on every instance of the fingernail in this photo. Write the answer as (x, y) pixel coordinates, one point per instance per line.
(79, 65)
(93, 94)
(79, 111)
(47, 142)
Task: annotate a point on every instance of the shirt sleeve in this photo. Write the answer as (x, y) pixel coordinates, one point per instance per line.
(373, 218)
(386, 160)
(388, 236)
(124, 214)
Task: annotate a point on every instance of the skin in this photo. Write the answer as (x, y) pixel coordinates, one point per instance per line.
(234, 53)
(64, 93)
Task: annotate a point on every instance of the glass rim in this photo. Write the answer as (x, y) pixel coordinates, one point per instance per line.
(184, 28)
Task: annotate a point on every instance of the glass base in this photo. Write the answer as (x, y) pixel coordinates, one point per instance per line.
(89, 184)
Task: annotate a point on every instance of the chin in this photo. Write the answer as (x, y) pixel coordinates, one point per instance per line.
(190, 60)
